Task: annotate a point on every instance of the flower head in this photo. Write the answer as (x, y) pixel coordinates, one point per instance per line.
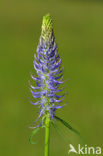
(47, 64)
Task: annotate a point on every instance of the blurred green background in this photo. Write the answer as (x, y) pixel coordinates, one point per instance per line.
(78, 27)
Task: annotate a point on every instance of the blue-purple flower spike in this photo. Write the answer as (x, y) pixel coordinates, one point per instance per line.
(47, 64)
(48, 91)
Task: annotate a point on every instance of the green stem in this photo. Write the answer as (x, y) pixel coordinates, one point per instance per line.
(47, 134)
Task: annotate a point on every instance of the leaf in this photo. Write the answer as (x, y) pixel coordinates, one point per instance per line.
(59, 132)
(67, 125)
(33, 133)
(56, 127)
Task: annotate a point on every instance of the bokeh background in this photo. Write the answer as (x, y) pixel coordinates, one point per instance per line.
(78, 27)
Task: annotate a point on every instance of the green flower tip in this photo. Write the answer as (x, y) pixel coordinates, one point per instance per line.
(47, 27)
(47, 22)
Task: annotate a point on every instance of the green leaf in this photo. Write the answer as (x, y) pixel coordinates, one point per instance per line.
(56, 127)
(59, 132)
(33, 133)
(67, 125)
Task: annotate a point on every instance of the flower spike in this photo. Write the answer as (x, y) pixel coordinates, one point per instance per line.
(47, 64)
(48, 91)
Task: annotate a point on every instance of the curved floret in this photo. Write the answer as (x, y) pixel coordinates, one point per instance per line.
(47, 64)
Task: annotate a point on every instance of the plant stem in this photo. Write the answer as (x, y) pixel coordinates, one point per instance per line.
(47, 134)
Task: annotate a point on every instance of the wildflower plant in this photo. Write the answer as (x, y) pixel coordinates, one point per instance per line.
(47, 64)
